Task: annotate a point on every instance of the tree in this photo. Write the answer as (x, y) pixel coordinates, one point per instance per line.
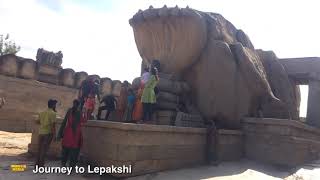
(7, 46)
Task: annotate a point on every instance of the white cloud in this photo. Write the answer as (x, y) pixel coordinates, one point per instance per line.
(102, 42)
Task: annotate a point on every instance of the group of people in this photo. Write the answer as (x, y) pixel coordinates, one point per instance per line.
(134, 107)
(69, 132)
(130, 106)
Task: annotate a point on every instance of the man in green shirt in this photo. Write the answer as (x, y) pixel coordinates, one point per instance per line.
(47, 120)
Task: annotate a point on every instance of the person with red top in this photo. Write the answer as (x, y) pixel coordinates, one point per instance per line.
(89, 105)
(70, 132)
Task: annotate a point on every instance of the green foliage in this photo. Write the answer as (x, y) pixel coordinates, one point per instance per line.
(7, 46)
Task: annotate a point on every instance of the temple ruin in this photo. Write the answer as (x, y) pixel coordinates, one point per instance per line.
(210, 72)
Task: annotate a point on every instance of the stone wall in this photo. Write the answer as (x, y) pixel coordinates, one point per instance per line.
(149, 148)
(281, 142)
(26, 98)
(27, 85)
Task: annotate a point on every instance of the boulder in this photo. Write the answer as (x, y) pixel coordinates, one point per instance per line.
(165, 39)
(244, 39)
(218, 88)
(281, 87)
(177, 37)
(209, 56)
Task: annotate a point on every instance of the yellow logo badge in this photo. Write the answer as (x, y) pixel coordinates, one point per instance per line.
(18, 167)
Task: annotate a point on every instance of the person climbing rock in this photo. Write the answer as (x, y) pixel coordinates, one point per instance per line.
(88, 86)
(47, 131)
(110, 104)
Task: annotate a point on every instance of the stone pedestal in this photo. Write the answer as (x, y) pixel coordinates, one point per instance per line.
(49, 74)
(313, 112)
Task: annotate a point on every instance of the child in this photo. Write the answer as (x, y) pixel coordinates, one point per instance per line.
(130, 102)
(89, 105)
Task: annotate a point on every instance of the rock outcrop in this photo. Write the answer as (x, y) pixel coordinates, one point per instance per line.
(229, 79)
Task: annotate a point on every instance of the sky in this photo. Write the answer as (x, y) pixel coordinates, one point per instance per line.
(95, 36)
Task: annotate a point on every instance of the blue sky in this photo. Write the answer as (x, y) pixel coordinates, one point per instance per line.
(95, 36)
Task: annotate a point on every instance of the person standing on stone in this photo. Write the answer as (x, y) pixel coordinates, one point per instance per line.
(137, 113)
(47, 131)
(88, 86)
(89, 106)
(122, 103)
(130, 104)
(148, 98)
(71, 134)
(110, 104)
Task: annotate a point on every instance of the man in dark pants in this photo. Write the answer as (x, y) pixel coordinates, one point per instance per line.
(110, 104)
(47, 120)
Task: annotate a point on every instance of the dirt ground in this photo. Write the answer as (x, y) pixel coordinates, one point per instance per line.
(13, 150)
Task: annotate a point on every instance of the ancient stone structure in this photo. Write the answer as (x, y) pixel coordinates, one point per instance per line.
(210, 71)
(280, 142)
(26, 85)
(148, 148)
(306, 71)
(229, 79)
(49, 58)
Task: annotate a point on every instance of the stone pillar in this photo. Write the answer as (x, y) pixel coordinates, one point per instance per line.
(28, 69)
(9, 65)
(313, 112)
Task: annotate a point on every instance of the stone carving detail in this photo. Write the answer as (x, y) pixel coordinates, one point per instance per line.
(217, 61)
(49, 58)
